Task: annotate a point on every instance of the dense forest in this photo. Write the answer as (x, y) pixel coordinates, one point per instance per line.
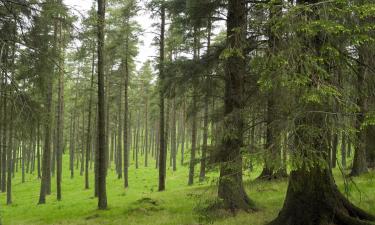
(244, 112)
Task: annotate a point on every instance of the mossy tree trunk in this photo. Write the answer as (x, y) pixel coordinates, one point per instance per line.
(231, 189)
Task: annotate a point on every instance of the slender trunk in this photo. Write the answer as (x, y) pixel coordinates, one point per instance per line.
(202, 175)
(343, 150)
(119, 133)
(183, 124)
(88, 137)
(137, 141)
(60, 116)
(102, 193)
(10, 160)
(83, 137)
(127, 136)
(162, 149)
(173, 136)
(4, 133)
(146, 133)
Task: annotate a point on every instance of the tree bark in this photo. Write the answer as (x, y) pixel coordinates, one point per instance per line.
(231, 189)
(359, 161)
(162, 149)
(60, 115)
(102, 193)
(88, 137)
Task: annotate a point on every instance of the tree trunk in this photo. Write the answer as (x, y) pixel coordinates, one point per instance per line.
(83, 137)
(183, 125)
(202, 174)
(10, 159)
(231, 189)
(312, 197)
(359, 161)
(102, 193)
(343, 150)
(173, 136)
(127, 129)
(88, 137)
(60, 115)
(146, 133)
(162, 149)
(335, 143)
(4, 133)
(194, 116)
(370, 146)
(46, 163)
(119, 134)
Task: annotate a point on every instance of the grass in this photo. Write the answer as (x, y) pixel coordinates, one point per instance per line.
(142, 204)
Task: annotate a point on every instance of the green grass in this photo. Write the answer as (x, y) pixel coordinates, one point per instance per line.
(142, 204)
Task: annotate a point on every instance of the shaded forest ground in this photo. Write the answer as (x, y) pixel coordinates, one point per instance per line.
(142, 204)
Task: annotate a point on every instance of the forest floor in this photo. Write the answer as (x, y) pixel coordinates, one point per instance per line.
(142, 204)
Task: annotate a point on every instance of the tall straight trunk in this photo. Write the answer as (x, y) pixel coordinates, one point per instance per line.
(102, 193)
(193, 139)
(4, 133)
(335, 142)
(127, 136)
(183, 124)
(146, 133)
(23, 148)
(60, 116)
(89, 132)
(157, 146)
(46, 162)
(359, 161)
(9, 158)
(119, 134)
(33, 148)
(173, 136)
(71, 147)
(202, 174)
(137, 140)
(134, 141)
(2, 148)
(113, 149)
(167, 123)
(83, 137)
(107, 117)
(194, 116)
(96, 158)
(162, 149)
(38, 147)
(231, 189)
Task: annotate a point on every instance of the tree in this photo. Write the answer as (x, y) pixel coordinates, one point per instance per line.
(102, 194)
(231, 189)
(162, 149)
(312, 195)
